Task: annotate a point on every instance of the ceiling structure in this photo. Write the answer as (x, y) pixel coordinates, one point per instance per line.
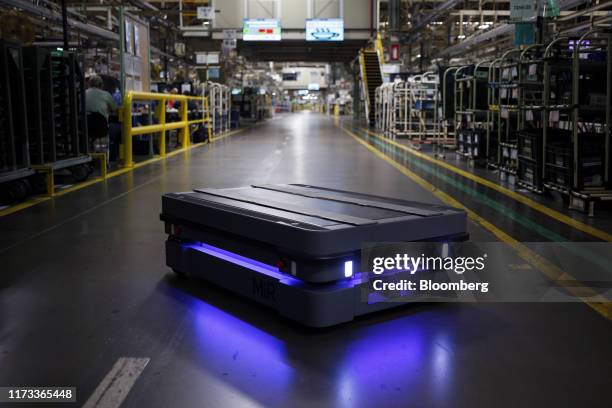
(427, 30)
(432, 31)
(296, 50)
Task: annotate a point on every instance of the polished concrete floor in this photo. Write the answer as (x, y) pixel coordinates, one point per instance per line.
(83, 283)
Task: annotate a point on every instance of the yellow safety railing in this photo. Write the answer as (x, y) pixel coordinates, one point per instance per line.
(380, 50)
(162, 126)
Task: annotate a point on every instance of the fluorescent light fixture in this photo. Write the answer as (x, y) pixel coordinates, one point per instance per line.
(348, 269)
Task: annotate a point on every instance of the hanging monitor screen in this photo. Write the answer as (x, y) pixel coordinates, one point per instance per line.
(261, 29)
(325, 29)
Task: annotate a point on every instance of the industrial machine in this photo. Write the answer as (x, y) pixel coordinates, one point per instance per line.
(295, 248)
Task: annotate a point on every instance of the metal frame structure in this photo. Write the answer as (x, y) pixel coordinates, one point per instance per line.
(44, 122)
(591, 119)
(219, 100)
(423, 108)
(447, 137)
(162, 126)
(557, 62)
(410, 108)
(492, 135)
(471, 120)
(14, 155)
(531, 118)
(507, 152)
(400, 110)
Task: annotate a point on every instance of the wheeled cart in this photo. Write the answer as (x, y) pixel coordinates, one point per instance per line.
(296, 248)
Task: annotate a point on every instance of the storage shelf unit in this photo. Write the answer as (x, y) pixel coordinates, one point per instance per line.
(409, 109)
(508, 118)
(424, 107)
(447, 137)
(556, 115)
(492, 129)
(219, 102)
(52, 134)
(470, 109)
(591, 104)
(531, 118)
(14, 155)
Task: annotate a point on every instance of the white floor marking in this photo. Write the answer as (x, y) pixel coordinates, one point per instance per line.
(113, 389)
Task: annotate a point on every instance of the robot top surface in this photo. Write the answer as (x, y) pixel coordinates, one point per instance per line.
(314, 222)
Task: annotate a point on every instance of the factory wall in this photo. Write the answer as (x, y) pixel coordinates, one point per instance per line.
(304, 77)
(293, 13)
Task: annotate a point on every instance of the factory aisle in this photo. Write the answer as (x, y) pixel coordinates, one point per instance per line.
(83, 283)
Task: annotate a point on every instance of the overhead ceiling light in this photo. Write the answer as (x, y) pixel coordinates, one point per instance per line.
(461, 36)
(484, 26)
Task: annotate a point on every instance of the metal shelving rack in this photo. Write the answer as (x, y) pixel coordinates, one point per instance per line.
(556, 112)
(591, 100)
(392, 109)
(447, 137)
(399, 92)
(492, 130)
(530, 133)
(387, 109)
(14, 155)
(471, 111)
(423, 123)
(52, 134)
(219, 103)
(507, 155)
(378, 110)
(68, 142)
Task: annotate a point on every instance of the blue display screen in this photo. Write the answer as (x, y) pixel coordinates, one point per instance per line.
(326, 29)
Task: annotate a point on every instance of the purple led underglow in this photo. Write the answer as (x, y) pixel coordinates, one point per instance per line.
(242, 261)
(221, 337)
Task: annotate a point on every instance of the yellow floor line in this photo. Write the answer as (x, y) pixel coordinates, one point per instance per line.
(233, 132)
(78, 186)
(554, 273)
(23, 206)
(565, 219)
(37, 200)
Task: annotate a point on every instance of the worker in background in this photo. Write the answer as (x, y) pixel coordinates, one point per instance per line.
(100, 104)
(172, 104)
(98, 100)
(117, 97)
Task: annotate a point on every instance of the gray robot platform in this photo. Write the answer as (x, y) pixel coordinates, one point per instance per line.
(295, 248)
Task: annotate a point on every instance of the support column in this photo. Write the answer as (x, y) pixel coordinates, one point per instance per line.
(122, 51)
